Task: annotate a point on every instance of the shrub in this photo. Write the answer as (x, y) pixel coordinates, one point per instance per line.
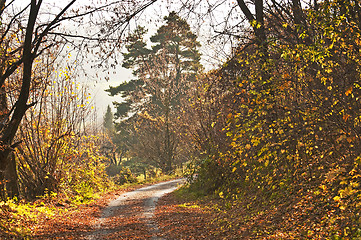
(112, 170)
(124, 176)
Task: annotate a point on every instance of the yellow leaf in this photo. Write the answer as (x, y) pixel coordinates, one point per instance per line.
(349, 91)
(221, 195)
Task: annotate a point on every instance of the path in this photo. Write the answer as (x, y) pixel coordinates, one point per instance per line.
(131, 214)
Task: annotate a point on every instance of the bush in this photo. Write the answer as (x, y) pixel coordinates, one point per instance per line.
(112, 170)
(124, 176)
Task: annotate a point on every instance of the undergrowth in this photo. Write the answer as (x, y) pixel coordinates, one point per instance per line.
(250, 215)
(18, 217)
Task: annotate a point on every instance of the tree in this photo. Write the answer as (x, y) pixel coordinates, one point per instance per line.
(57, 146)
(23, 55)
(114, 146)
(108, 120)
(163, 75)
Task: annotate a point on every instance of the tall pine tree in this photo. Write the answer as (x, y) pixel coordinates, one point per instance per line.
(151, 101)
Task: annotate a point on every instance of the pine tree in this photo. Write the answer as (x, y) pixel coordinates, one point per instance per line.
(108, 120)
(163, 74)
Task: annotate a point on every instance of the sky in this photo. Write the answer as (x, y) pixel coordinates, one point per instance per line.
(100, 96)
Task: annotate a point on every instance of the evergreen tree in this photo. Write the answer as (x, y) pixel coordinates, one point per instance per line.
(108, 120)
(163, 74)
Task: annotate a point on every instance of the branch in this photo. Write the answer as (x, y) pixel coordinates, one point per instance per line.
(10, 70)
(9, 25)
(79, 36)
(31, 105)
(54, 22)
(3, 7)
(14, 145)
(229, 34)
(246, 10)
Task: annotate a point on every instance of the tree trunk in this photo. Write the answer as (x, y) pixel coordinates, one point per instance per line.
(11, 176)
(9, 129)
(257, 23)
(3, 119)
(168, 151)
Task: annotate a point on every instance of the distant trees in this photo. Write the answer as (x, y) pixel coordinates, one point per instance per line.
(152, 101)
(114, 145)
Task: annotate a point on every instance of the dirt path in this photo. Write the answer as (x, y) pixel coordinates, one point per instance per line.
(131, 214)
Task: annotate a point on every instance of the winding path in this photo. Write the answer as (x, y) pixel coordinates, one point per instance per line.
(132, 213)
